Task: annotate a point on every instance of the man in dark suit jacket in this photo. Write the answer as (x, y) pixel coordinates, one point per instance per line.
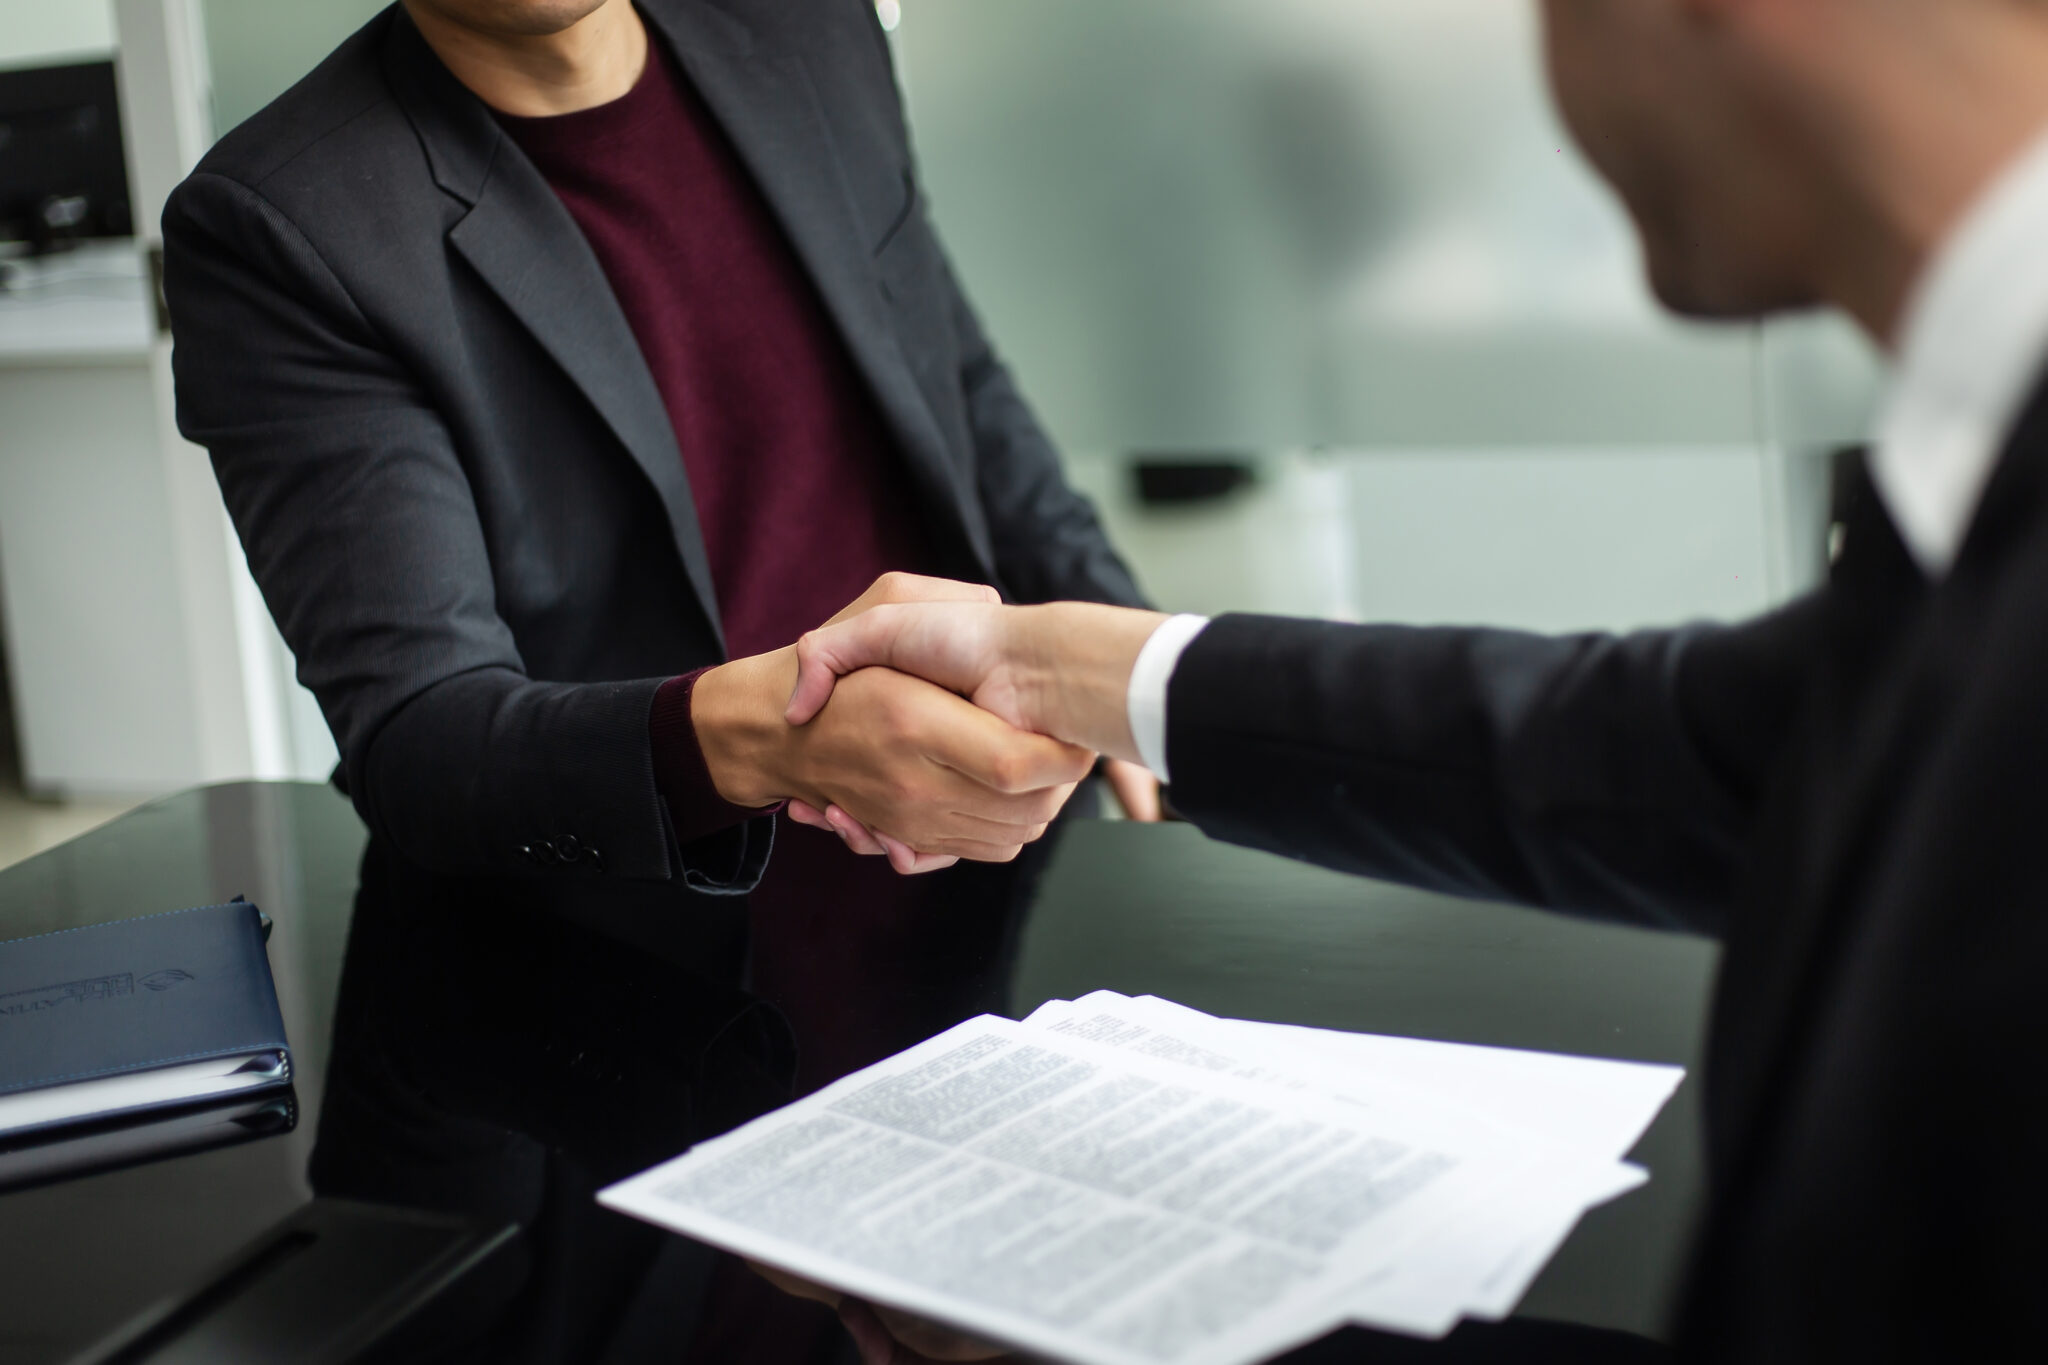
(561, 362)
(1849, 792)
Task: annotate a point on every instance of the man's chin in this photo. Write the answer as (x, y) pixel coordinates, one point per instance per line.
(1711, 296)
(519, 19)
(546, 20)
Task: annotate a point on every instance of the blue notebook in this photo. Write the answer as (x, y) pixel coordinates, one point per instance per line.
(137, 1015)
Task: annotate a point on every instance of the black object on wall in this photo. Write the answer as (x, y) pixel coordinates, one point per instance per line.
(63, 176)
(1171, 480)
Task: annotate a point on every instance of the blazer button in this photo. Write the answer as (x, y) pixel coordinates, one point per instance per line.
(568, 848)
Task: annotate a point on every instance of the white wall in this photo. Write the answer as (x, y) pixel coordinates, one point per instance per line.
(46, 32)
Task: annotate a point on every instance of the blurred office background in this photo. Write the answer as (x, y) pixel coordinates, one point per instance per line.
(1316, 294)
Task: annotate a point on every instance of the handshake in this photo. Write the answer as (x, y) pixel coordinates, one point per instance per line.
(927, 722)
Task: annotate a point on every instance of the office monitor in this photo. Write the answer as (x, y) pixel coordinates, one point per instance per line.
(62, 173)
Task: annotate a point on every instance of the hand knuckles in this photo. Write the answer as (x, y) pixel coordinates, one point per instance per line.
(1006, 773)
(1041, 807)
(898, 722)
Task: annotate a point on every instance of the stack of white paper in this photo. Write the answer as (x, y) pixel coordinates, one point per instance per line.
(1124, 1180)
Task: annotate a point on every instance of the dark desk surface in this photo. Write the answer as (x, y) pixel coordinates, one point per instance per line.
(1135, 909)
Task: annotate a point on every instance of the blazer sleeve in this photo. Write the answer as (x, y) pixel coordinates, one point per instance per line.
(1615, 776)
(361, 530)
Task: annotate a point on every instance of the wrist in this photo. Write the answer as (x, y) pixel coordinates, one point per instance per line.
(1027, 647)
(1074, 663)
(737, 709)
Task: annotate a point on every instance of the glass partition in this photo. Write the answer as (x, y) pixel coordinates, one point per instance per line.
(1348, 246)
(1351, 245)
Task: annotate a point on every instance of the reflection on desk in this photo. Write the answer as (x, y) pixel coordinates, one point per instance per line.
(41, 1157)
(460, 1055)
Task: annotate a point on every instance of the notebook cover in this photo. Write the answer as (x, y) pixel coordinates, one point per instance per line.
(133, 995)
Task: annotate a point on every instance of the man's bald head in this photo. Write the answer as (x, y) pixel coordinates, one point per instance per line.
(1779, 153)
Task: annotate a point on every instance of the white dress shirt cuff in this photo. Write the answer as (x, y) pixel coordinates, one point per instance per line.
(1145, 700)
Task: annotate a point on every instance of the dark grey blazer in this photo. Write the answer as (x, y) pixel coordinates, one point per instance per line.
(1852, 794)
(453, 473)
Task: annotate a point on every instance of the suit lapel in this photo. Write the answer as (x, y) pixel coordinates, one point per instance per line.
(1863, 742)
(1886, 656)
(1878, 699)
(519, 238)
(769, 110)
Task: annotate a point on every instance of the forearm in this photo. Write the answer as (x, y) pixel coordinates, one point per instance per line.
(1074, 662)
(491, 772)
(1557, 771)
(682, 773)
(736, 709)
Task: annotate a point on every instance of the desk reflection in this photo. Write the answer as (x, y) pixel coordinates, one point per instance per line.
(503, 1064)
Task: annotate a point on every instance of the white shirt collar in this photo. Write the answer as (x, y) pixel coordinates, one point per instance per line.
(1971, 350)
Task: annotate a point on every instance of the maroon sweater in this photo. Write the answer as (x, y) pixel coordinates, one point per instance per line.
(800, 494)
(800, 497)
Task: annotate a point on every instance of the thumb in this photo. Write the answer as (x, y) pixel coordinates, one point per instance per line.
(825, 655)
(877, 1346)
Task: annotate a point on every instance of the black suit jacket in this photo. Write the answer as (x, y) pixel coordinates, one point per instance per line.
(1851, 793)
(454, 476)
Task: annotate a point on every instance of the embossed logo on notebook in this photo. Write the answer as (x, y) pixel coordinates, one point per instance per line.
(41, 998)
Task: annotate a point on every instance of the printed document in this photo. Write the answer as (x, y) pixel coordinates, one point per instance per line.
(1129, 1182)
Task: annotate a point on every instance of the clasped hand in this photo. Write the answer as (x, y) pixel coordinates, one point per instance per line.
(893, 763)
(1061, 670)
